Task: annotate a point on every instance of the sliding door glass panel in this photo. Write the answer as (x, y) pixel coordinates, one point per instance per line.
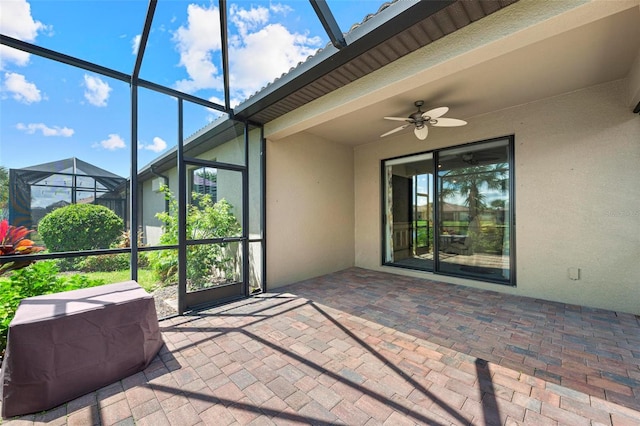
(473, 210)
(409, 212)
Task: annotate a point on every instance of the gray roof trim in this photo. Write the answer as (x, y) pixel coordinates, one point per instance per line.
(58, 166)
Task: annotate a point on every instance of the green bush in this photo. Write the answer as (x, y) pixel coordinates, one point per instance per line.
(40, 278)
(489, 240)
(80, 227)
(205, 220)
(104, 263)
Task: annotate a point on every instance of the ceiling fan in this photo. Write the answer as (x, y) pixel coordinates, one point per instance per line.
(433, 117)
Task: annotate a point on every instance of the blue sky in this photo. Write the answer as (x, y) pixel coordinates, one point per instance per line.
(50, 111)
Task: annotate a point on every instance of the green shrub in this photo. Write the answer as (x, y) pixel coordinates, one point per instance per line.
(489, 240)
(40, 278)
(104, 263)
(80, 227)
(205, 220)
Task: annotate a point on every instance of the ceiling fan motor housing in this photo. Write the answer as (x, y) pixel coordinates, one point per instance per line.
(420, 120)
(417, 117)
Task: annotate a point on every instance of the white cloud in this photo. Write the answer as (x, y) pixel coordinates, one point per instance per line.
(157, 145)
(97, 91)
(135, 44)
(22, 90)
(113, 142)
(260, 51)
(9, 54)
(31, 128)
(16, 21)
(280, 8)
(247, 20)
(262, 56)
(196, 42)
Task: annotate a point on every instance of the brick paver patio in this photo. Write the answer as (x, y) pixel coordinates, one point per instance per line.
(365, 348)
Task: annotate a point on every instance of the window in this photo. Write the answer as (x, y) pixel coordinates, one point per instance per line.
(455, 218)
(204, 181)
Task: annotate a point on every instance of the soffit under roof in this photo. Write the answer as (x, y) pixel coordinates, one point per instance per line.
(401, 42)
(571, 47)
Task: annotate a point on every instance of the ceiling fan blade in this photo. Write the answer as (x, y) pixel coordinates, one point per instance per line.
(421, 132)
(397, 129)
(398, 119)
(436, 112)
(449, 122)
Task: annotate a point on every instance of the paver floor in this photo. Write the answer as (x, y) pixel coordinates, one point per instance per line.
(366, 348)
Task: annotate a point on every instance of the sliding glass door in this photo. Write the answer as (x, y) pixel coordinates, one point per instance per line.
(409, 216)
(467, 193)
(474, 211)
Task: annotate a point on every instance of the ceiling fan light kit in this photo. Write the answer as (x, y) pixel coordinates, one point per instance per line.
(433, 117)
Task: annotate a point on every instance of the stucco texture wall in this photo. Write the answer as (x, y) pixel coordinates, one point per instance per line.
(577, 196)
(310, 216)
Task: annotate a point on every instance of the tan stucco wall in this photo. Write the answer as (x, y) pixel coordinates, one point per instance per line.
(153, 202)
(577, 195)
(310, 228)
(634, 83)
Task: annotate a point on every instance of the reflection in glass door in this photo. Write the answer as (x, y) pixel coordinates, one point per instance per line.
(409, 212)
(422, 223)
(473, 211)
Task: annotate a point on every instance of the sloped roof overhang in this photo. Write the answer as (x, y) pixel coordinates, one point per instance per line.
(396, 30)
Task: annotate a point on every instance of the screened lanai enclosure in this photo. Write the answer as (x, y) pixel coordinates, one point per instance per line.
(38, 190)
(190, 195)
(189, 146)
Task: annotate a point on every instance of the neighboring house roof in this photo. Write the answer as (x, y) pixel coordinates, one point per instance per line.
(68, 166)
(71, 165)
(448, 207)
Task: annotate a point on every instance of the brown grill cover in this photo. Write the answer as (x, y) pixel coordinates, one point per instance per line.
(64, 345)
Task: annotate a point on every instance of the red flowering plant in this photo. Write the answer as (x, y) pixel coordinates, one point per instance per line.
(14, 241)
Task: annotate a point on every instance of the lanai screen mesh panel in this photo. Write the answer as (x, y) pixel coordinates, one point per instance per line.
(37, 190)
